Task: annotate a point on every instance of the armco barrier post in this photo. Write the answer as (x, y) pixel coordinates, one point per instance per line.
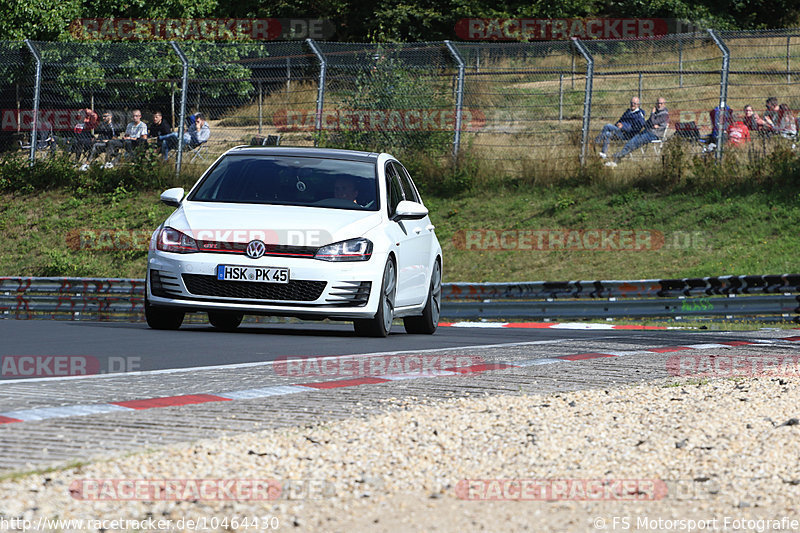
(723, 91)
(323, 66)
(36, 92)
(459, 96)
(587, 98)
(184, 91)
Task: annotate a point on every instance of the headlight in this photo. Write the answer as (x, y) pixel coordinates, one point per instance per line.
(172, 240)
(352, 250)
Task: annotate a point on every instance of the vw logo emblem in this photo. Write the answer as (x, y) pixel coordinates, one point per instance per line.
(256, 249)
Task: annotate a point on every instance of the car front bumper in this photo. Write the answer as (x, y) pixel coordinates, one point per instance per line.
(317, 289)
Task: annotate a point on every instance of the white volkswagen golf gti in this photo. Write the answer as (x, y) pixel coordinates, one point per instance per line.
(304, 232)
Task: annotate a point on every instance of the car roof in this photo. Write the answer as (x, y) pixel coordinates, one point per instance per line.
(304, 151)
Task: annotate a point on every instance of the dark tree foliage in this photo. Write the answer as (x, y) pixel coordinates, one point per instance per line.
(390, 20)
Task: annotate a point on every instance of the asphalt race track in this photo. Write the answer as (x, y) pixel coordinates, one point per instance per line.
(200, 345)
(148, 388)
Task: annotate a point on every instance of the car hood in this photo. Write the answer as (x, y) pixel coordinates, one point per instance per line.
(273, 224)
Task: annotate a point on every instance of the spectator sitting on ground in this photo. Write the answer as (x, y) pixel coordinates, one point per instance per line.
(198, 133)
(738, 133)
(158, 128)
(629, 124)
(752, 120)
(654, 129)
(84, 139)
(106, 141)
(727, 120)
(787, 124)
(771, 114)
(136, 133)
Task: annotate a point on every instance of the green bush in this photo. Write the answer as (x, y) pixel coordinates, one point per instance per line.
(59, 171)
(392, 86)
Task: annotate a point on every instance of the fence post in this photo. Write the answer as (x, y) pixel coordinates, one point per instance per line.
(19, 109)
(260, 107)
(680, 64)
(182, 116)
(573, 68)
(788, 70)
(459, 96)
(640, 86)
(36, 94)
(723, 91)
(288, 75)
(323, 67)
(560, 97)
(587, 97)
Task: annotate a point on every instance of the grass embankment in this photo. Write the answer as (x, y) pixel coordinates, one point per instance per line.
(710, 233)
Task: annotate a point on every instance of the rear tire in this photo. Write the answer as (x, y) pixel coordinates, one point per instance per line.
(162, 317)
(429, 321)
(381, 323)
(225, 320)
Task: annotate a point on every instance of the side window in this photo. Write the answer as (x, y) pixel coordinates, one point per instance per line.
(409, 190)
(393, 189)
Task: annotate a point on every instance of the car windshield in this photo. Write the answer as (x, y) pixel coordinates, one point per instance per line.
(291, 180)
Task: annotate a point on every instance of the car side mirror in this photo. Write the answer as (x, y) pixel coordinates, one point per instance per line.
(410, 211)
(173, 197)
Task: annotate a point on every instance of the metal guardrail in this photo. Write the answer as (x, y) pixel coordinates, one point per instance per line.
(726, 296)
(646, 288)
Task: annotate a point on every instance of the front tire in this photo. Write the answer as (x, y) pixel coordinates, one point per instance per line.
(224, 320)
(429, 321)
(162, 317)
(381, 323)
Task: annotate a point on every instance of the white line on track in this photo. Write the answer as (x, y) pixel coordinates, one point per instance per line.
(267, 363)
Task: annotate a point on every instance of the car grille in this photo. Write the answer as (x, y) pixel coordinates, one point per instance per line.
(164, 284)
(350, 294)
(272, 250)
(297, 290)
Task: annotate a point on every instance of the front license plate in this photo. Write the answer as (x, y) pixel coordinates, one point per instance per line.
(254, 274)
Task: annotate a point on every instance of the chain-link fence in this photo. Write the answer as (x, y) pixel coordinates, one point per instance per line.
(532, 98)
(519, 108)
(16, 95)
(401, 96)
(247, 91)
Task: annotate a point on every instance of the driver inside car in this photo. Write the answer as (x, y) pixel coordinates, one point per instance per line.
(345, 189)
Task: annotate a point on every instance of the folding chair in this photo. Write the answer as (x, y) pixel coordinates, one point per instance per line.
(198, 152)
(44, 141)
(657, 144)
(689, 132)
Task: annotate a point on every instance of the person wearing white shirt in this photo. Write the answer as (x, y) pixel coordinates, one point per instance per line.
(136, 133)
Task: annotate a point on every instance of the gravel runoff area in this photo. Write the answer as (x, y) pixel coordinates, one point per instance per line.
(718, 455)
